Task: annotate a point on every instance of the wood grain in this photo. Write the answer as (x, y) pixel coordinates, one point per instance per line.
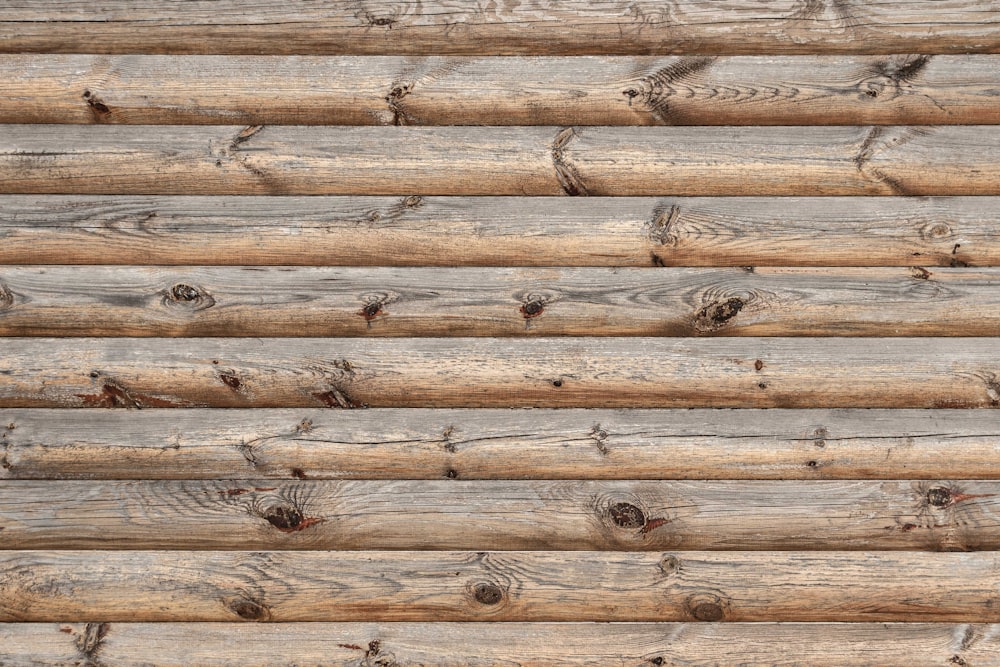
(404, 444)
(503, 644)
(287, 160)
(445, 26)
(436, 90)
(941, 515)
(492, 372)
(256, 301)
(283, 586)
(500, 231)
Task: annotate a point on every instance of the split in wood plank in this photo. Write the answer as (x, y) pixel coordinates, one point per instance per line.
(496, 372)
(287, 586)
(503, 644)
(441, 26)
(573, 515)
(375, 90)
(256, 444)
(500, 231)
(575, 161)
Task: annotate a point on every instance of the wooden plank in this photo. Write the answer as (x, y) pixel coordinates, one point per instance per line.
(256, 301)
(496, 644)
(404, 443)
(491, 372)
(443, 26)
(569, 515)
(500, 231)
(436, 90)
(284, 586)
(286, 160)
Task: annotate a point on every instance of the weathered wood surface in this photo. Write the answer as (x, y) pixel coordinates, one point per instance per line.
(501, 515)
(380, 90)
(284, 586)
(494, 372)
(286, 160)
(500, 231)
(444, 26)
(257, 301)
(502, 644)
(410, 444)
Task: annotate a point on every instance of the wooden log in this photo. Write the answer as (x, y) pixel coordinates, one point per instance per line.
(500, 231)
(501, 515)
(442, 26)
(491, 372)
(502, 644)
(287, 160)
(498, 444)
(283, 586)
(256, 301)
(380, 90)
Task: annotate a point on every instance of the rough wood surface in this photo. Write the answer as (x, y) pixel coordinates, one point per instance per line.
(377, 90)
(494, 372)
(536, 26)
(256, 301)
(501, 515)
(285, 586)
(405, 444)
(500, 231)
(286, 160)
(502, 644)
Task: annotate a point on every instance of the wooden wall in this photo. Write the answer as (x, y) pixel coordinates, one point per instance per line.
(516, 333)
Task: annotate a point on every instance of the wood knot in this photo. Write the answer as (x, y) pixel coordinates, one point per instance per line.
(669, 564)
(532, 309)
(249, 608)
(626, 515)
(189, 296)
(6, 297)
(718, 313)
(936, 231)
(488, 593)
(706, 607)
(284, 517)
(939, 496)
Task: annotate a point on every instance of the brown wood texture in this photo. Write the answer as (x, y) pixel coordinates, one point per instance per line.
(283, 586)
(286, 160)
(258, 301)
(946, 515)
(535, 26)
(500, 231)
(493, 372)
(407, 444)
(502, 644)
(435, 90)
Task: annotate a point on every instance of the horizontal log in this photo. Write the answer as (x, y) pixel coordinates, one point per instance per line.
(257, 301)
(404, 444)
(501, 515)
(441, 26)
(285, 586)
(502, 644)
(492, 372)
(500, 231)
(381, 90)
(618, 161)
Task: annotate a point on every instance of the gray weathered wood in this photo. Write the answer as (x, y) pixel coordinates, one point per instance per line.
(493, 372)
(283, 586)
(286, 160)
(445, 26)
(526, 515)
(376, 90)
(257, 301)
(503, 644)
(498, 444)
(500, 231)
